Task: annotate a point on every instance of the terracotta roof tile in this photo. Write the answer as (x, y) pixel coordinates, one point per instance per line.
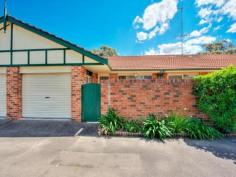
(170, 62)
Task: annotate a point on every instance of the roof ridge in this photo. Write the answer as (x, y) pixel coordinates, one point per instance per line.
(191, 55)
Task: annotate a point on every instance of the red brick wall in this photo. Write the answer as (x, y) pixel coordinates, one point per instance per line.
(14, 93)
(78, 78)
(137, 98)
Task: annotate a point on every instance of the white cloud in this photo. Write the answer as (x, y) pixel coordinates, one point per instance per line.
(232, 28)
(229, 9)
(203, 21)
(192, 46)
(154, 32)
(197, 33)
(174, 49)
(219, 19)
(151, 52)
(201, 40)
(213, 11)
(217, 28)
(205, 12)
(142, 36)
(156, 17)
(210, 2)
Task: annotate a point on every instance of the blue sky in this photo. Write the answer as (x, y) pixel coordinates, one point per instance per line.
(133, 27)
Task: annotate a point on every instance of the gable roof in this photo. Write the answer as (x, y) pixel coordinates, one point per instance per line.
(170, 62)
(54, 38)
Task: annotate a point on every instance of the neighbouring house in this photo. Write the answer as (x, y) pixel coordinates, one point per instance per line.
(43, 76)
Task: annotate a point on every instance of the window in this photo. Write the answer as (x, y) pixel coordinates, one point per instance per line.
(188, 76)
(122, 77)
(140, 77)
(130, 77)
(181, 76)
(175, 77)
(102, 78)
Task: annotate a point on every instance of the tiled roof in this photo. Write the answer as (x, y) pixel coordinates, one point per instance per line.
(171, 62)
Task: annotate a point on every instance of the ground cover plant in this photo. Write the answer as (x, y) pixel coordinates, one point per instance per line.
(154, 128)
(110, 122)
(191, 128)
(133, 126)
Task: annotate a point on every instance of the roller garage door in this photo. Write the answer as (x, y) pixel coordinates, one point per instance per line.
(2, 95)
(46, 95)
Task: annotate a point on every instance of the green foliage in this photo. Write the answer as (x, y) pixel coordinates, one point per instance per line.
(234, 129)
(105, 51)
(133, 126)
(110, 122)
(195, 129)
(177, 124)
(220, 47)
(153, 128)
(192, 128)
(216, 96)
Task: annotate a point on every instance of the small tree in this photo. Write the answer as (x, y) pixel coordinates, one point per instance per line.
(220, 47)
(216, 96)
(105, 51)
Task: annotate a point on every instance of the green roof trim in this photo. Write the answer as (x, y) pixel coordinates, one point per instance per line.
(56, 39)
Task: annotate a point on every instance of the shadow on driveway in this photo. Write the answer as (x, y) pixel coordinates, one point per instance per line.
(46, 128)
(224, 148)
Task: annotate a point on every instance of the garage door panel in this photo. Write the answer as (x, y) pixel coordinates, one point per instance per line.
(2, 95)
(47, 95)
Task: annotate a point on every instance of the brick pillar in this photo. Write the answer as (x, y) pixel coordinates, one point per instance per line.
(154, 76)
(113, 77)
(14, 93)
(95, 78)
(165, 76)
(105, 87)
(78, 78)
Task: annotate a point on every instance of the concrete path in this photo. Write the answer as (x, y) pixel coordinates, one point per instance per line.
(115, 157)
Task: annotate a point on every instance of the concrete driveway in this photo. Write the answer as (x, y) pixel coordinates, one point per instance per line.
(27, 151)
(45, 128)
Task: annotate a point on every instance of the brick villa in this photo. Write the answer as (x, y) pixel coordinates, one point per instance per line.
(44, 76)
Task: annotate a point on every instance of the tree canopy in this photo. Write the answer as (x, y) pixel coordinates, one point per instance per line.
(105, 51)
(220, 47)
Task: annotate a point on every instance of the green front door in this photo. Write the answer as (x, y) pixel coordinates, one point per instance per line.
(91, 102)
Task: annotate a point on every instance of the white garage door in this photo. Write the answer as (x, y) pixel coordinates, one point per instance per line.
(46, 95)
(2, 95)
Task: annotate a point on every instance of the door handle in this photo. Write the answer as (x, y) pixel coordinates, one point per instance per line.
(47, 97)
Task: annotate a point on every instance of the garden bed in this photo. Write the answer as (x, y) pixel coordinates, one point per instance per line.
(154, 127)
(129, 134)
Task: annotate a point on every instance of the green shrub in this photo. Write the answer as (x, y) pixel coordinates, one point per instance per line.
(133, 126)
(234, 129)
(195, 129)
(177, 124)
(153, 128)
(110, 122)
(192, 128)
(216, 96)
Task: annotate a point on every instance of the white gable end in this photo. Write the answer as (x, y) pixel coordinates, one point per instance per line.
(5, 38)
(24, 39)
(34, 49)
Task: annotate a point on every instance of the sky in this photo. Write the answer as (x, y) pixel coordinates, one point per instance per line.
(132, 27)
